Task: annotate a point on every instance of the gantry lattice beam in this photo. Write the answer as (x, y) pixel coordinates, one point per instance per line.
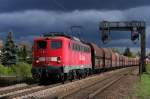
(133, 26)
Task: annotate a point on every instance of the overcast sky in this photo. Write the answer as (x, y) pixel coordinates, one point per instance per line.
(30, 18)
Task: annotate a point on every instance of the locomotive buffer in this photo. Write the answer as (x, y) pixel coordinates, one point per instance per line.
(136, 27)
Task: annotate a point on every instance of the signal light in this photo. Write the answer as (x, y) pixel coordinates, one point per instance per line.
(134, 34)
(105, 36)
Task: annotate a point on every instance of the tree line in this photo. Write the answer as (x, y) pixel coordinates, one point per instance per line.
(11, 53)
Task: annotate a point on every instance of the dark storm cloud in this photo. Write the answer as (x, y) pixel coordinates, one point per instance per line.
(69, 5)
(34, 22)
(30, 23)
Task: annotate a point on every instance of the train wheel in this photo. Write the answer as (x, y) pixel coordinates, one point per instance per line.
(83, 73)
(70, 76)
(87, 72)
(90, 72)
(77, 74)
(62, 78)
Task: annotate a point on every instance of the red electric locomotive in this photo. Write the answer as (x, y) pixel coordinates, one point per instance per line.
(60, 56)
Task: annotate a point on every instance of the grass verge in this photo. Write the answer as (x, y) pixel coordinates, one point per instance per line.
(143, 86)
(21, 72)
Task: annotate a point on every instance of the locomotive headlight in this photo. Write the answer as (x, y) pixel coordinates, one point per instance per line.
(37, 61)
(58, 59)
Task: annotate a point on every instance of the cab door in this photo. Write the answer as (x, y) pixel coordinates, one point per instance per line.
(40, 52)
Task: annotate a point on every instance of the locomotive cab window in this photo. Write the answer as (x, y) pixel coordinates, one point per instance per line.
(56, 44)
(41, 44)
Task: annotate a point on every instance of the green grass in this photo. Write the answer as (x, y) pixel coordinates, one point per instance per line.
(143, 86)
(20, 69)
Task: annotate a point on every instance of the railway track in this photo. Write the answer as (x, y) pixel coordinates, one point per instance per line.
(59, 90)
(23, 90)
(93, 90)
(12, 87)
(107, 85)
(15, 89)
(65, 90)
(19, 90)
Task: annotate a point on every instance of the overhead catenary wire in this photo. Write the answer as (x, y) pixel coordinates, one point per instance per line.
(59, 5)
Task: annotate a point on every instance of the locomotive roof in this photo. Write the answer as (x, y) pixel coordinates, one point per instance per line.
(62, 34)
(51, 34)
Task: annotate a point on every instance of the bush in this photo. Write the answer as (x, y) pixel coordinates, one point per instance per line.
(143, 87)
(5, 70)
(22, 70)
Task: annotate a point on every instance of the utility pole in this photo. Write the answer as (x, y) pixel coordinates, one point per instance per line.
(135, 27)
